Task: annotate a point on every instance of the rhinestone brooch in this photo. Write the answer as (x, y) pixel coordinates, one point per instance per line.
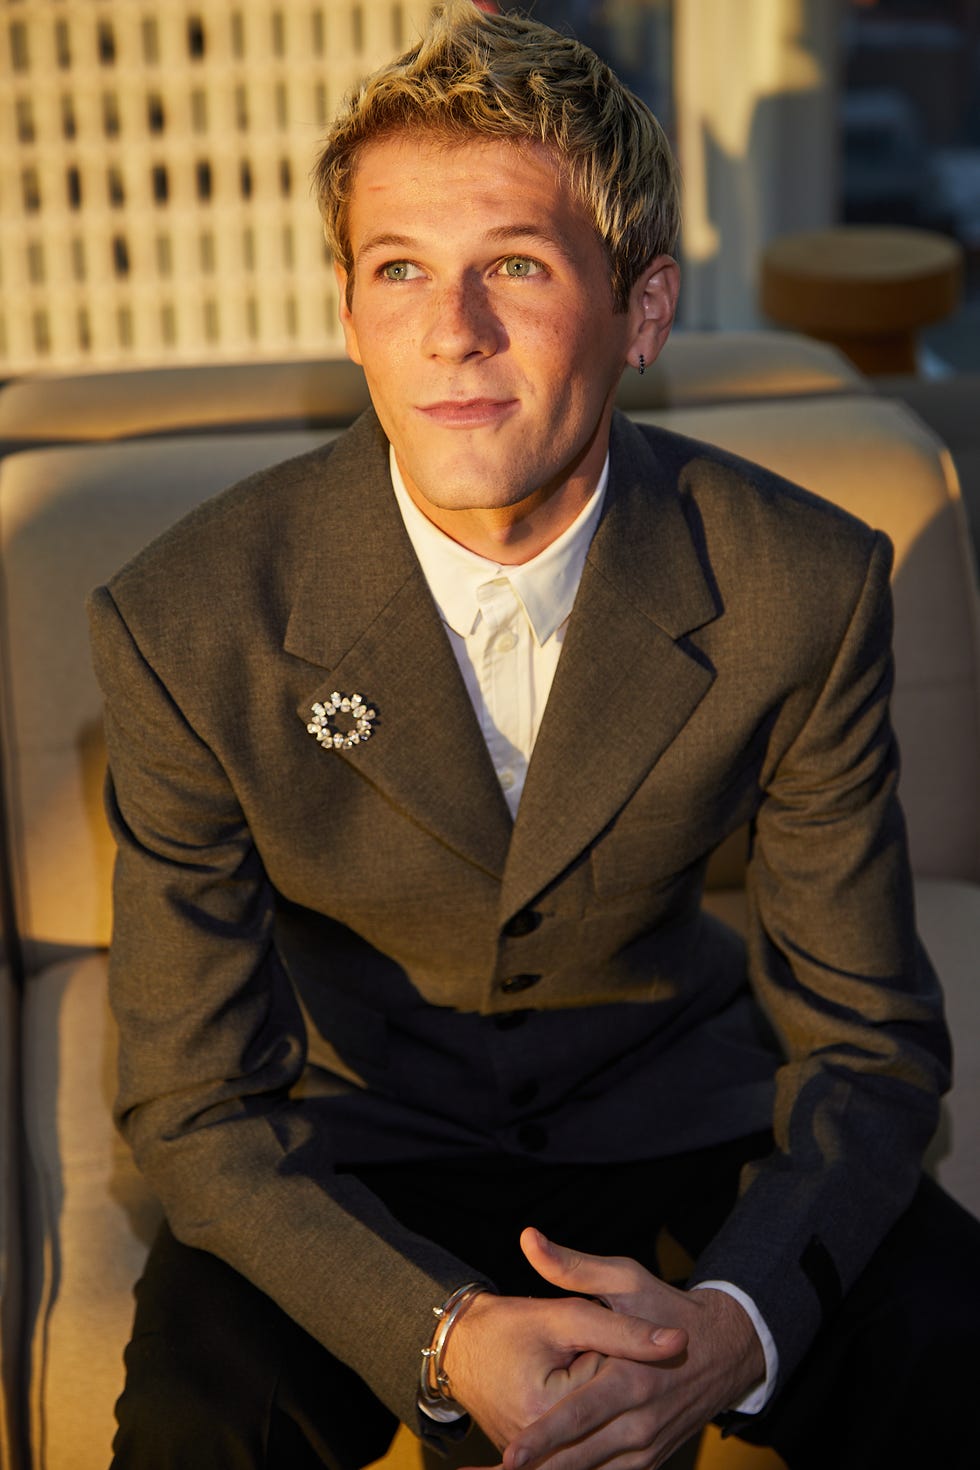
(324, 725)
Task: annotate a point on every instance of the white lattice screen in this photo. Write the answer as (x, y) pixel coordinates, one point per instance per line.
(154, 175)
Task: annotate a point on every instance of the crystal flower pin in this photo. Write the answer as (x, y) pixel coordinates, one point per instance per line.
(354, 726)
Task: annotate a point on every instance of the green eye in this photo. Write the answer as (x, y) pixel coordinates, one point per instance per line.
(397, 270)
(519, 265)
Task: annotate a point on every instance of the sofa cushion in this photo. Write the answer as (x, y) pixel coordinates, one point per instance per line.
(11, 1256)
(90, 1218)
(69, 518)
(950, 407)
(949, 923)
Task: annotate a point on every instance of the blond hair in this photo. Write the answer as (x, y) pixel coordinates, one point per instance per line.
(504, 76)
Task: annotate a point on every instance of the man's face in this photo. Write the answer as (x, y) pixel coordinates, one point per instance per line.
(482, 315)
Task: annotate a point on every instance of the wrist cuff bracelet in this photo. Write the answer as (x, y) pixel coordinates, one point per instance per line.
(434, 1388)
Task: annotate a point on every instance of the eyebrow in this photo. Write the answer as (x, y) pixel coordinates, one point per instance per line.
(385, 242)
(529, 233)
(524, 232)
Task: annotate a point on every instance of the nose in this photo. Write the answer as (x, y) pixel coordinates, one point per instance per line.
(461, 322)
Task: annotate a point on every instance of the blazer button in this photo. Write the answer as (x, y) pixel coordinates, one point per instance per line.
(525, 921)
(532, 1137)
(514, 983)
(524, 1093)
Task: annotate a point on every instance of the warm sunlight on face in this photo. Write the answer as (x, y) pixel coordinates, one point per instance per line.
(482, 314)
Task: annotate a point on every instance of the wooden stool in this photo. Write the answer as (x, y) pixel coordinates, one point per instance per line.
(866, 288)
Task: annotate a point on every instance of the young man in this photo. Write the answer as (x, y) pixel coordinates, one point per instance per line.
(419, 748)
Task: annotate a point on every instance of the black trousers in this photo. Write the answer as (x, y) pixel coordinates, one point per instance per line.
(218, 1378)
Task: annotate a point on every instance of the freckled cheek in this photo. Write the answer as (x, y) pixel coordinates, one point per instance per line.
(536, 338)
(388, 344)
(552, 339)
(402, 353)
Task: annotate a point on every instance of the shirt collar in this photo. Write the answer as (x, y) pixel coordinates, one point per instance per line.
(546, 585)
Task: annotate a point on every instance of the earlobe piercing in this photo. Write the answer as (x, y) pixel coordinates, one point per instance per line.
(642, 365)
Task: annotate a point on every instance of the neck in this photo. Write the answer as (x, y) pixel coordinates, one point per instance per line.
(511, 534)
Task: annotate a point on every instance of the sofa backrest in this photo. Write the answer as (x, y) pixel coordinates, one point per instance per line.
(700, 367)
(880, 462)
(70, 516)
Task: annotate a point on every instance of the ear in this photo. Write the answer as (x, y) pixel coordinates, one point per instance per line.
(653, 303)
(346, 315)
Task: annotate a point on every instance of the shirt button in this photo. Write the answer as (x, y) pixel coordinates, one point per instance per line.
(525, 921)
(514, 983)
(510, 1020)
(532, 1137)
(506, 642)
(506, 779)
(523, 1094)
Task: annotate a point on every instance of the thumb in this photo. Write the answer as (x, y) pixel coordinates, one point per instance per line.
(613, 1281)
(616, 1282)
(597, 1276)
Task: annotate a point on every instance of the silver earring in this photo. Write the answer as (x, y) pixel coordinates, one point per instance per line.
(643, 365)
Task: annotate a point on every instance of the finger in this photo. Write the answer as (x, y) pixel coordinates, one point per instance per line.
(604, 1418)
(575, 1326)
(607, 1449)
(576, 1270)
(582, 1367)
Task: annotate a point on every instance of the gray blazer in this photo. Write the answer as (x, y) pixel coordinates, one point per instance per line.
(311, 944)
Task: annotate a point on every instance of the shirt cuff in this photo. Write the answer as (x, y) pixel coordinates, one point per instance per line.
(756, 1398)
(447, 1415)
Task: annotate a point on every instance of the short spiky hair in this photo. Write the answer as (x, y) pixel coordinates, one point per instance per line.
(503, 76)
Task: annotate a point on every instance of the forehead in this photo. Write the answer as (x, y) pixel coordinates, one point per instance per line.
(468, 181)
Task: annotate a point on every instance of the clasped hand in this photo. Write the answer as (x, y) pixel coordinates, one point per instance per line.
(569, 1384)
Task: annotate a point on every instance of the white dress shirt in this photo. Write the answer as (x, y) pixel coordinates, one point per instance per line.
(506, 626)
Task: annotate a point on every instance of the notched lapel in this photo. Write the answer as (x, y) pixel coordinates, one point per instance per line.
(629, 677)
(364, 613)
(426, 752)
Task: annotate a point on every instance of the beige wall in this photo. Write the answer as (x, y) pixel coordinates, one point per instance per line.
(154, 175)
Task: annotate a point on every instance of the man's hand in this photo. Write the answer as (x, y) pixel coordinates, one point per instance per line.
(510, 1359)
(634, 1414)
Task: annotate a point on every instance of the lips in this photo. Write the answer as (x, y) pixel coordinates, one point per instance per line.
(468, 413)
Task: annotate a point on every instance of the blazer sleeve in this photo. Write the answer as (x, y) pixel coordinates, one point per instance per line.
(212, 1041)
(834, 959)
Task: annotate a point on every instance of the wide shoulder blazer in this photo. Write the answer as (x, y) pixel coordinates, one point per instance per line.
(311, 943)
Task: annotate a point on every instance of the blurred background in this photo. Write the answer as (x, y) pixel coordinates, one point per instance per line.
(155, 157)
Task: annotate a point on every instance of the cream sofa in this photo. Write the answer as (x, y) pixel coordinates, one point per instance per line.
(95, 466)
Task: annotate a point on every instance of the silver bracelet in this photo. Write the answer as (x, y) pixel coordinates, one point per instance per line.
(434, 1388)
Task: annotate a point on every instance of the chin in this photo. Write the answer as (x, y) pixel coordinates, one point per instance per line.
(485, 490)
